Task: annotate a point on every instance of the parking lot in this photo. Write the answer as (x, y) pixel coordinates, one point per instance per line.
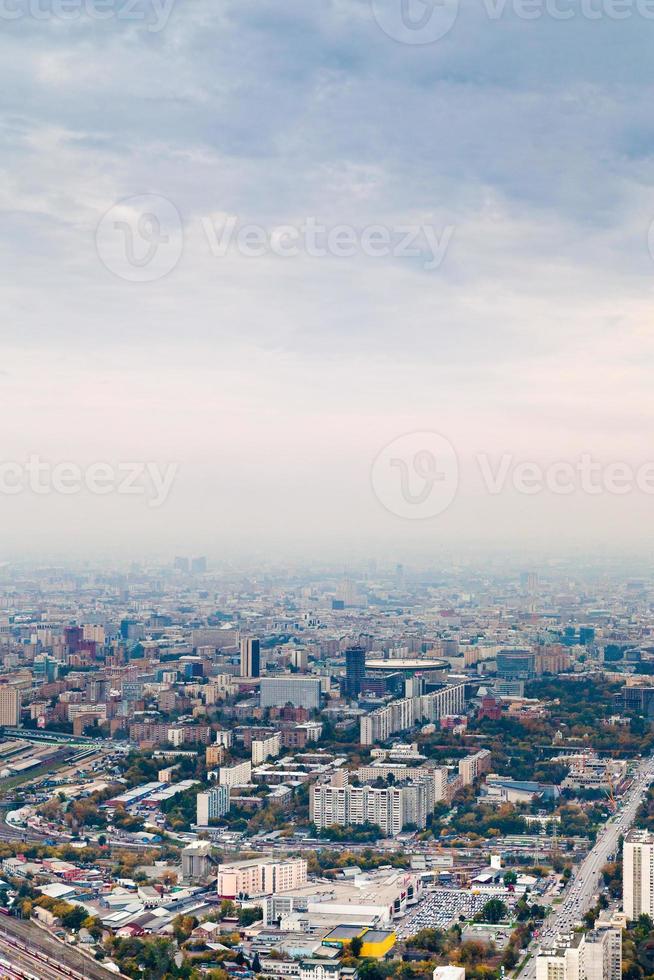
(440, 909)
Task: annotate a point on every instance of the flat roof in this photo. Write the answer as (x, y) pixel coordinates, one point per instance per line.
(401, 663)
(344, 932)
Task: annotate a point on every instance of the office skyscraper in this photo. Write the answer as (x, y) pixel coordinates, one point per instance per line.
(250, 662)
(355, 668)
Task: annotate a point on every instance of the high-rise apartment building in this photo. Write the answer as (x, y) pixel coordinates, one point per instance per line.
(212, 804)
(601, 955)
(638, 874)
(390, 809)
(403, 714)
(214, 755)
(299, 659)
(250, 657)
(472, 766)
(596, 955)
(266, 748)
(10, 705)
(238, 775)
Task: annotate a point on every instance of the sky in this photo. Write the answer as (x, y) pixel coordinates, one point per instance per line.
(477, 298)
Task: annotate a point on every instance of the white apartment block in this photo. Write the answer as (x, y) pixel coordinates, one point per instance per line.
(400, 772)
(441, 777)
(472, 766)
(261, 876)
(403, 714)
(638, 874)
(601, 955)
(449, 973)
(266, 748)
(390, 809)
(238, 775)
(97, 710)
(211, 805)
(596, 955)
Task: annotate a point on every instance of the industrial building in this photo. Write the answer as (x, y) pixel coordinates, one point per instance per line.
(376, 899)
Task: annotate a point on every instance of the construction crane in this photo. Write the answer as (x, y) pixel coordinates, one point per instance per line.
(610, 793)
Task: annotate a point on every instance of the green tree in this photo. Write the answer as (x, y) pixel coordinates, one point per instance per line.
(227, 909)
(247, 916)
(493, 911)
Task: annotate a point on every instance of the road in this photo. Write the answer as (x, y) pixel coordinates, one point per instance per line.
(585, 882)
(32, 950)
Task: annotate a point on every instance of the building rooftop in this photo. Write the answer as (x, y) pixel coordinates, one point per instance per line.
(344, 934)
(405, 663)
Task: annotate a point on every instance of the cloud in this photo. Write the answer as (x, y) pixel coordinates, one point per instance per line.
(532, 139)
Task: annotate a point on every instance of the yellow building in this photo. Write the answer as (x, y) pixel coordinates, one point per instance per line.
(375, 943)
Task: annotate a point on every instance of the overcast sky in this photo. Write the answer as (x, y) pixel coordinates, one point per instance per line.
(273, 382)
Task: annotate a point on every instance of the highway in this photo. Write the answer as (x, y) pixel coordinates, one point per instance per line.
(585, 882)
